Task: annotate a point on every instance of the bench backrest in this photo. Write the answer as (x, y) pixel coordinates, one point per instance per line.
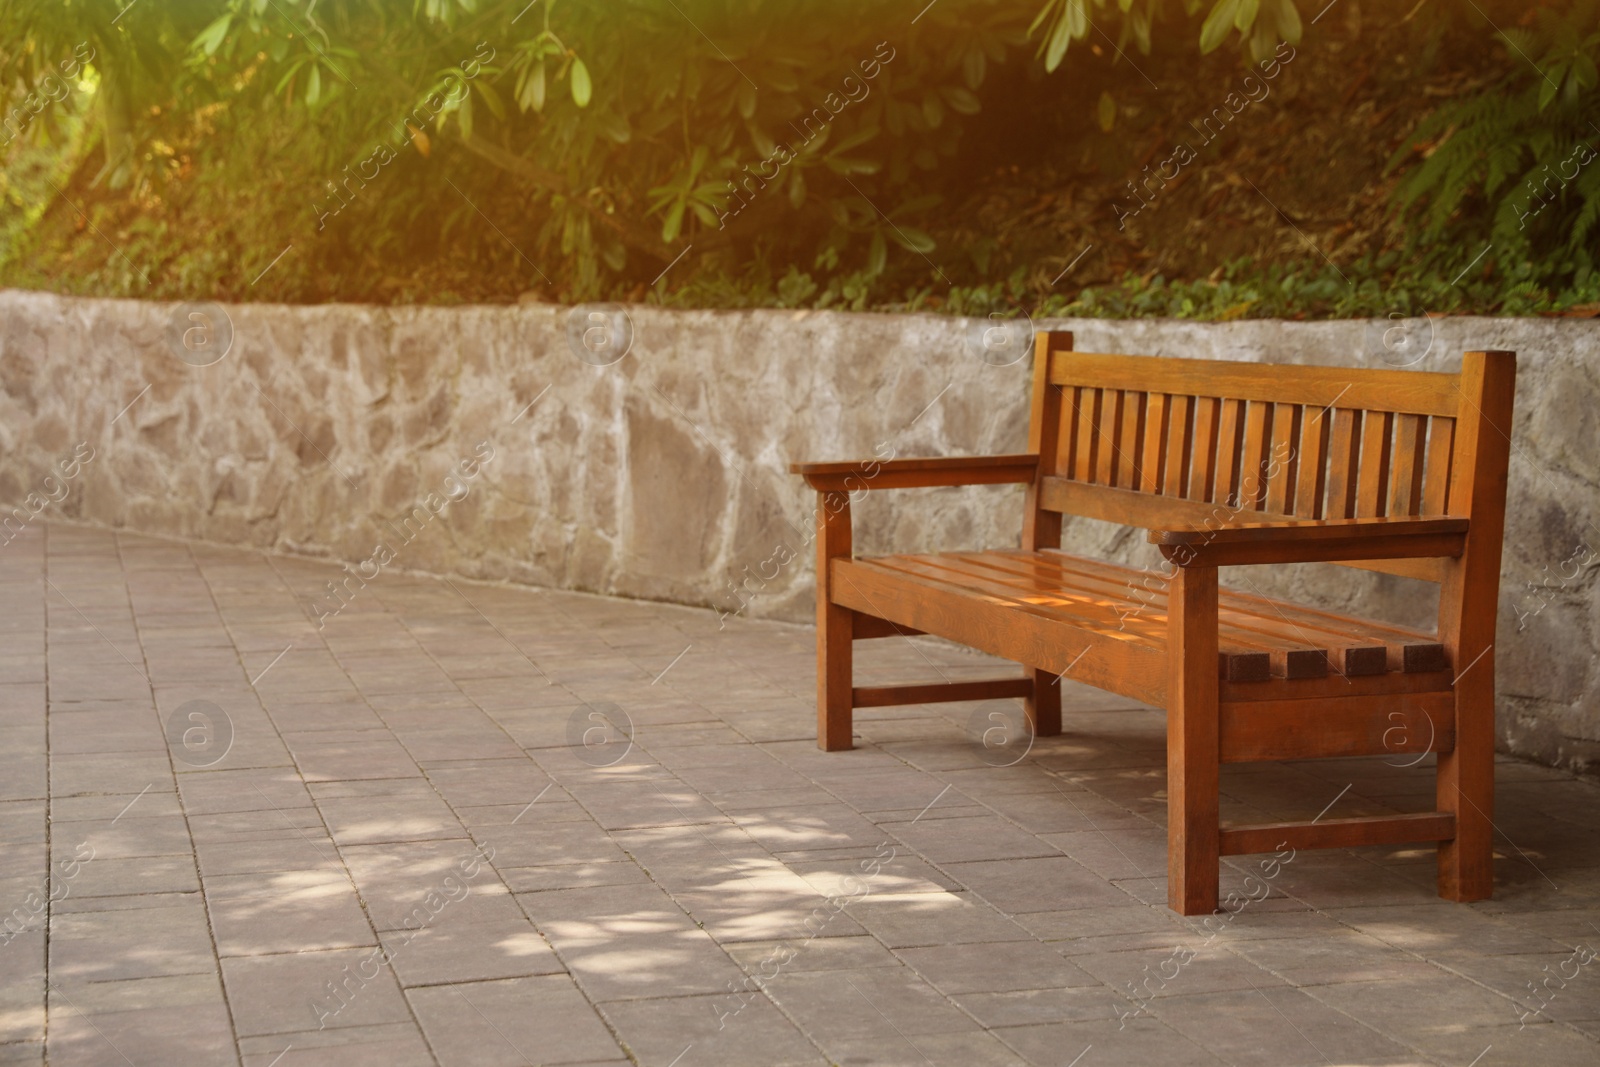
(1149, 441)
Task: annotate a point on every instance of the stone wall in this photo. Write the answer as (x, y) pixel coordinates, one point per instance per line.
(521, 452)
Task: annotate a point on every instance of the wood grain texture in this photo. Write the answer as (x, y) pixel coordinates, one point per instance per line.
(1203, 464)
(835, 627)
(1252, 493)
(1042, 704)
(1410, 463)
(1088, 423)
(1193, 753)
(881, 696)
(1344, 464)
(1468, 608)
(1377, 440)
(1180, 441)
(870, 627)
(1106, 659)
(1108, 431)
(1157, 415)
(1413, 392)
(853, 476)
(1311, 484)
(1042, 528)
(1337, 726)
(1436, 487)
(1283, 460)
(1230, 446)
(1338, 833)
(1131, 440)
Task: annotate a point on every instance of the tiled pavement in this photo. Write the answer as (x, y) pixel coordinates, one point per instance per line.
(227, 896)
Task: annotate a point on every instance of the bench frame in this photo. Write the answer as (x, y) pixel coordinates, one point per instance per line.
(1448, 528)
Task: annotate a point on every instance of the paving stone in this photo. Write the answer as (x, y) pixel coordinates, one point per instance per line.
(379, 1045)
(147, 936)
(191, 1034)
(712, 1030)
(1000, 967)
(513, 1022)
(1268, 1027)
(289, 992)
(285, 911)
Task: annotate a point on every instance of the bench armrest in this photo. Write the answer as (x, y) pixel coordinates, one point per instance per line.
(1313, 541)
(849, 476)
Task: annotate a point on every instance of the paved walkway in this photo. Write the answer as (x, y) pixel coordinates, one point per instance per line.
(218, 820)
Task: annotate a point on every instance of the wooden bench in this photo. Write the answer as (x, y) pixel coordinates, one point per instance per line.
(1226, 464)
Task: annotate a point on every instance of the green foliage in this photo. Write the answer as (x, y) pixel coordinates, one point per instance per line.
(1514, 167)
(577, 148)
(1371, 288)
(750, 152)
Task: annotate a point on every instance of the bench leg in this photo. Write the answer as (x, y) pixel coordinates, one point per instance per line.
(1043, 708)
(835, 628)
(1193, 748)
(835, 675)
(1466, 789)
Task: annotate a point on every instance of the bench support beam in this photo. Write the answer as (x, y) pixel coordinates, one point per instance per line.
(882, 696)
(1339, 833)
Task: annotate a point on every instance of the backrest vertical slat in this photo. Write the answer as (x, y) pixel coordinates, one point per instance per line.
(1436, 482)
(1106, 445)
(1083, 457)
(1344, 451)
(1180, 428)
(1257, 440)
(1377, 443)
(1204, 465)
(1131, 440)
(1067, 449)
(1312, 483)
(1283, 460)
(1155, 440)
(1230, 441)
(1410, 458)
(1041, 528)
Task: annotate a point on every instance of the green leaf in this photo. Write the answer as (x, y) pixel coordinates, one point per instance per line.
(536, 86)
(1245, 16)
(877, 255)
(210, 38)
(314, 85)
(674, 223)
(582, 88)
(973, 66)
(1056, 46)
(491, 99)
(914, 239)
(1217, 25)
(289, 74)
(1289, 21)
(1106, 112)
(961, 100)
(1550, 86)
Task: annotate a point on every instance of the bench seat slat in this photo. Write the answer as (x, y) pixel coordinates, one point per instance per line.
(1117, 662)
(1037, 576)
(1245, 610)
